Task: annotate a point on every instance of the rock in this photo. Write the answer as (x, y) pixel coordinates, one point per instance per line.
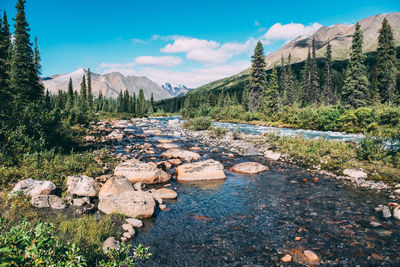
(152, 132)
(397, 191)
(175, 161)
(164, 141)
(311, 256)
(135, 222)
(115, 185)
(83, 186)
(32, 188)
(86, 209)
(136, 204)
(167, 146)
(111, 243)
(163, 207)
(271, 155)
(181, 154)
(375, 224)
(124, 239)
(230, 155)
(287, 258)
(250, 151)
(56, 202)
(40, 201)
(139, 186)
(396, 213)
(79, 202)
(386, 212)
(142, 172)
(164, 193)
(115, 135)
(194, 148)
(129, 228)
(204, 170)
(249, 168)
(164, 165)
(127, 235)
(355, 173)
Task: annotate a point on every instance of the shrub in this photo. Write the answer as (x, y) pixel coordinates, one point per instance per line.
(218, 132)
(371, 149)
(198, 124)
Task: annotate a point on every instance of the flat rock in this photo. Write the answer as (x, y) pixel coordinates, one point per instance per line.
(56, 202)
(165, 193)
(134, 222)
(175, 161)
(164, 141)
(41, 201)
(142, 172)
(136, 204)
(355, 173)
(181, 154)
(82, 185)
(115, 185)
(32, 188)
(167, 146)
(204, 170)
(249, 168)
(152, 132)
(129, 228)
(111, 243)
(80, 201)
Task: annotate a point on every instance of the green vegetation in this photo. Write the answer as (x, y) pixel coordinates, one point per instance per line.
(198, 123)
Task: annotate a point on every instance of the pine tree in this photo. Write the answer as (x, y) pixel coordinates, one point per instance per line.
(5, 94)
(328, 92)
(24, 79)
(83, 94)
(70, 96)
(288, 98)
(307, 88)
(314, 91)
(126, 101)
(386, 67)
(36, 58)
(271, 94)
(355, 89)
(89, 91)
(257, 78)
(141, 104)
(120, 102)
(70, 89)
(283, 77)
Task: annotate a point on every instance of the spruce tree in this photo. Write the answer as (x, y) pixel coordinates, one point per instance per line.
(289, 97)
(24, 79)
(314, 90)
(70, 89)
(89, 91)
(5, 94)
(271, 94)
(125, 105)
(257, 78)
(141, 104)
(386, 67)
(120, 102)
(306, 99)
(83, 94)
(70, 96)
(356, 84)
(328, 92)
(283, 77)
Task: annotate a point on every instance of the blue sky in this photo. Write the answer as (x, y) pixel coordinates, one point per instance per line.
(182, 42)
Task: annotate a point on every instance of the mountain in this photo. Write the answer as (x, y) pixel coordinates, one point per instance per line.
(175, 91)
(340, 35)
(109, 84)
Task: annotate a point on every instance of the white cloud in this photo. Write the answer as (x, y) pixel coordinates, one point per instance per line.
(192, 78)
(289, 31)
(207, 52)
(165, 61)
(138, 41)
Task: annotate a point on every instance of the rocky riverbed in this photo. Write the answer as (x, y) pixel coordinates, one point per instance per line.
(207, 201)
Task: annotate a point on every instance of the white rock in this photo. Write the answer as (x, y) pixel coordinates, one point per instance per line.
(41, 201)
(56, 202)
(32, 188)
(82, 185)
(134, 222)
(129, 228)
(271, 155)
(111, 243)
(355, 173)
(386, 212)
(396, 213)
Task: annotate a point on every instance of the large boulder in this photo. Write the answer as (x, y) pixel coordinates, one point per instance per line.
(141, 172)
(249, 168)
(203, 170)
(83, 186)
(271, 155)
(181, 154)
(136, 204)
(32, 188)
(111, 244)
(115, 185)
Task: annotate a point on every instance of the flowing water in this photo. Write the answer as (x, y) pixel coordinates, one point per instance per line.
(252, 220)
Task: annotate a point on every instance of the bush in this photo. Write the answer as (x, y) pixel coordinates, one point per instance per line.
(218, 132)
(371, 149)
(198, 124)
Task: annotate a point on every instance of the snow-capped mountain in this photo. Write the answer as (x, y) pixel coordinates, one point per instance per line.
(175, 91)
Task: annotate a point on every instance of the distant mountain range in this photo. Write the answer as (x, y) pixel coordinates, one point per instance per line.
(110, 84)
(176, 91)
(340, 36)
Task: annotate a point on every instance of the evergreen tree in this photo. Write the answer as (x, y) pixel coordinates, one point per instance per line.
(288, 98)
(257, 78)
(5, 94)
(120, 102)
(83, 95)
(141, 104)
(283, 77)
(36, 58)
(70, 89)
(307, 88)
(151, 104)
(314, 90)
(70, 96)
(126, 101)
(329, 98)
(355, 90)
(271, 94)
(386, 67)
(89, 91)
(24, 79)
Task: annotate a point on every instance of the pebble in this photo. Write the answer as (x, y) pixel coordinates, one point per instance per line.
(287, 258)
(163, 207)
(297, 238)
(310, 255)
(375, 224)
(386, 212)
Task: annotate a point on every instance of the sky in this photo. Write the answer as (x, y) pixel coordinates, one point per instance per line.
(181, 42)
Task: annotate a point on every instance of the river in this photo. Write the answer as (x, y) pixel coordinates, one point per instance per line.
(253, 220)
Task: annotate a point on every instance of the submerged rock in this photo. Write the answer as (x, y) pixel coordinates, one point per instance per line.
(142, 172)
(82, 185)
(204, 170)
(181, 154)
(249, 168)
(115, 185)
(136, 204)
(32, 188)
